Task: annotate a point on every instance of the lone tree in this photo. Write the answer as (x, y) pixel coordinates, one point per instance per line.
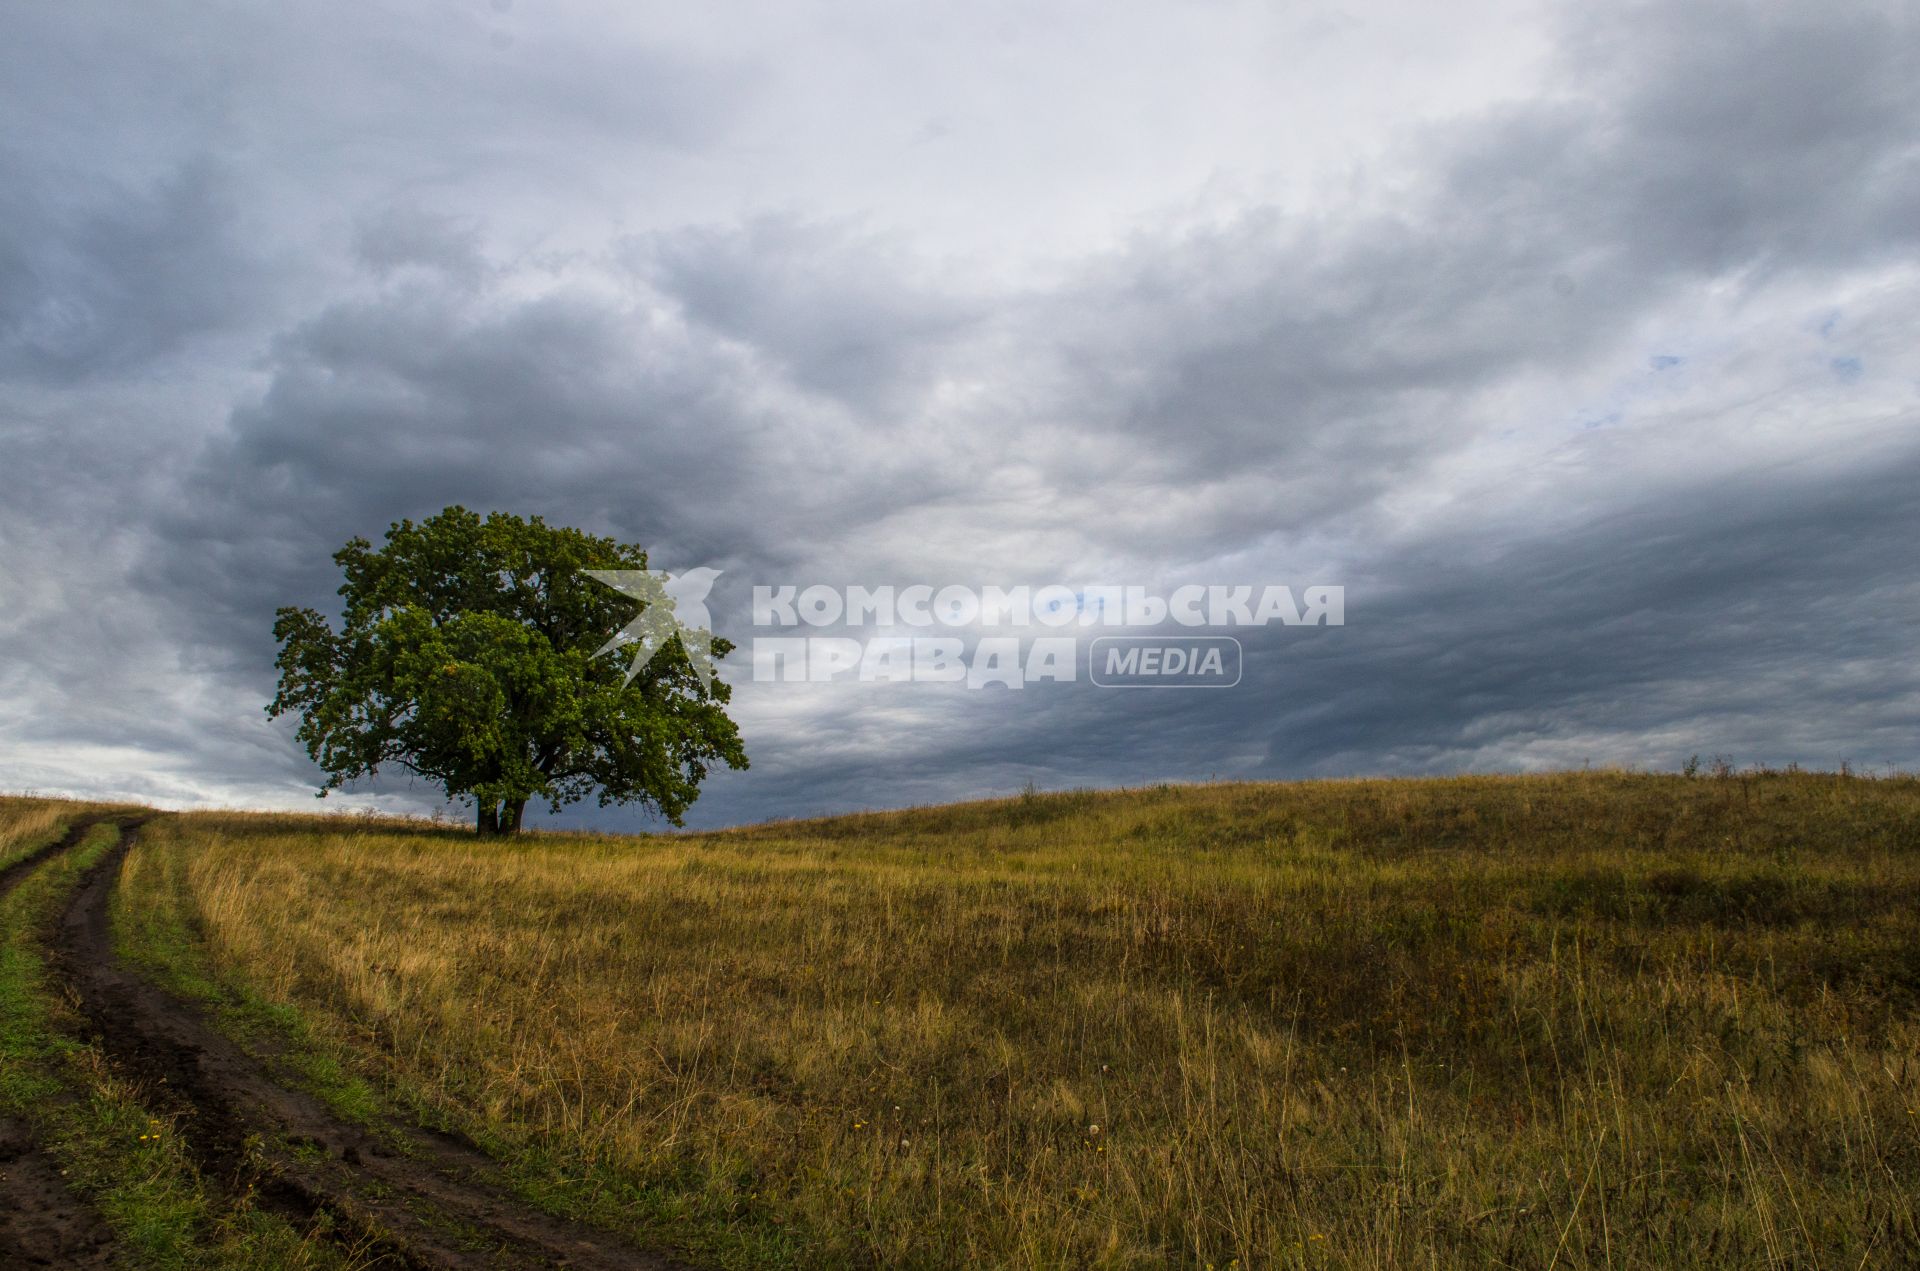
(467, 656)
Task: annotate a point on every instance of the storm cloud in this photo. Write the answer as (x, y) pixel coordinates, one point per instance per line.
(1574, 341)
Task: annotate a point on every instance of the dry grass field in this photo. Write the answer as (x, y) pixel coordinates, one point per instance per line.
(1575, 1020)
(25, 824)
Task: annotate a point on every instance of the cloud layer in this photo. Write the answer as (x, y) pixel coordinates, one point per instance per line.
(1575, 341)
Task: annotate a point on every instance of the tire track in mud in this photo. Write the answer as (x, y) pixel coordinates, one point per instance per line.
(42, 1223)
(436, 1204)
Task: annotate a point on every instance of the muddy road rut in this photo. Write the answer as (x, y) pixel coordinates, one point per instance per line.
(42, 1223)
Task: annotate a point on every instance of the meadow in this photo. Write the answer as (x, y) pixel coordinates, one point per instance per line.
(1585, 1019)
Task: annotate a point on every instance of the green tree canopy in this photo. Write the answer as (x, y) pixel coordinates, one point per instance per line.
(466, 656)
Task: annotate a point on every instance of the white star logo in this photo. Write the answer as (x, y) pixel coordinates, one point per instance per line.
(663, 597)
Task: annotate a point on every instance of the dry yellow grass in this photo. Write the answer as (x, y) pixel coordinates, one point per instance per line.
(26, 824)
(1577, 1020)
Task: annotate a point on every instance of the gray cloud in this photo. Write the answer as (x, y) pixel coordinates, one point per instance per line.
(98, 281)
(1591, 390)
(842, 315)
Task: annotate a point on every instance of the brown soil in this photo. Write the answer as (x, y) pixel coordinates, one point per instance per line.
(42, 1224)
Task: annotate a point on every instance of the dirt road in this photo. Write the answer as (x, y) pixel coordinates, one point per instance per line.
(42, 1223)
(403, 1198)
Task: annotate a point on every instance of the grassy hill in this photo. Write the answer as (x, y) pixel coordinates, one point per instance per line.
(1581, 1019)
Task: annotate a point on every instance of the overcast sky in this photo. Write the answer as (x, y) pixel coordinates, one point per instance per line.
(1577, 341)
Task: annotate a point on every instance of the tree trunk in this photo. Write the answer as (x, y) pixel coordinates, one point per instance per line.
(488, 820)
(510, 823)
